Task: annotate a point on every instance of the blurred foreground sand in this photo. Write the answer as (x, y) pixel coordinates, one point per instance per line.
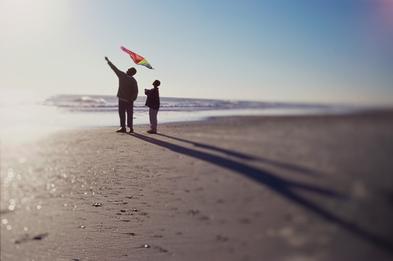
(236, 188)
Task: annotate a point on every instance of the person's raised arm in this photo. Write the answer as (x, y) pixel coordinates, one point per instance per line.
(113, 67)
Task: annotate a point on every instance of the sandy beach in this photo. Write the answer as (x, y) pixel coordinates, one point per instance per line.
(233, 188)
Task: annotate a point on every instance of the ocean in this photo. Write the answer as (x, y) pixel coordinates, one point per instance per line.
(26, 117)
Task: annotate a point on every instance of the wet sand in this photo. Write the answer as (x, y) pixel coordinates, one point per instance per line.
(235, 188)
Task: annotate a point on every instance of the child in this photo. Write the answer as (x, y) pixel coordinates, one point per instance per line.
(153, 102)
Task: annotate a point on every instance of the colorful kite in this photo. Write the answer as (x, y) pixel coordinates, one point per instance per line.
(137, 58)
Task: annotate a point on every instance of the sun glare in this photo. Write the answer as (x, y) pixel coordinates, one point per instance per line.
(18, 16)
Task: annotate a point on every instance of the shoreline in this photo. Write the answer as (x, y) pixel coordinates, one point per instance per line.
(277, 188)
(40, 121)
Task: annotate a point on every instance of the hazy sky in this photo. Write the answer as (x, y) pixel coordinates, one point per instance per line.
(272, 50)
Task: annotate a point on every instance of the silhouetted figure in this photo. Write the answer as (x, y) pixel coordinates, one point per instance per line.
(127, 94)
(153, 102)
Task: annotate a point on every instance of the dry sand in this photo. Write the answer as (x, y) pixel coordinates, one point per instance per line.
(236, 188)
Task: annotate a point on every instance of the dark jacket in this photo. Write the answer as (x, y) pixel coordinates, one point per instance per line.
(128, 87)
(153, 98)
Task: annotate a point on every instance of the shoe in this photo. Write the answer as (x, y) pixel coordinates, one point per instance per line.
(152, 132)
(121, 130)
(131, 131)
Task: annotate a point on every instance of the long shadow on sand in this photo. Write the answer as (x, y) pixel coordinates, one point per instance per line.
(286, 188)
(243, 156)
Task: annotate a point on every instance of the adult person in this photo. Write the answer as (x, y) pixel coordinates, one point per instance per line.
(127, 94)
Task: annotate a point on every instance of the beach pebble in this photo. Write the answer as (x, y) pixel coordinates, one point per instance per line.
(97, 204)
(123, 210)
(146, 246)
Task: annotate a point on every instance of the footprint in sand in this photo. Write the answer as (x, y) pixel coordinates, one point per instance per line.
(129, 233)
(161, 249)
(193, 212)
(27, 238)
(221, 238)
(245, 221)
(144, 214)
(204, 218)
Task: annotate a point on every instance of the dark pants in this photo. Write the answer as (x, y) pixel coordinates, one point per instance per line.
(125, 106)
(153, 119)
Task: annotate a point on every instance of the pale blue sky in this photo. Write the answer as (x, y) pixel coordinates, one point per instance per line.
(272, 50)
